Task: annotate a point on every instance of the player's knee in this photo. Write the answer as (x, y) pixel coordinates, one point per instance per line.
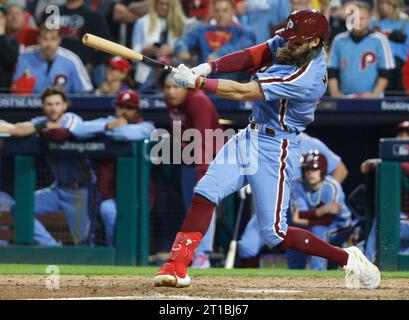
(270, 238)
(108, 210)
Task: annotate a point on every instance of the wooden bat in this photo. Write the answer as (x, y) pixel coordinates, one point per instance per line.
(116, 49)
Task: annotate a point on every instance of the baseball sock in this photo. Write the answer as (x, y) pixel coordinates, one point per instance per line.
(305, 242)
(199, 216)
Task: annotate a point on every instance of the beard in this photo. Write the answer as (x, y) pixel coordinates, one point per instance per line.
(285, 55)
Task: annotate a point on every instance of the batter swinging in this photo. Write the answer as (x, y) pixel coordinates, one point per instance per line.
(285, 96)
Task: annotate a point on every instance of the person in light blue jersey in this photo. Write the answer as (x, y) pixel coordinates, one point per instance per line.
(52, 65)
(73, 176)
(126, 125)
(360, 62)
(393, 22)
(289, 81)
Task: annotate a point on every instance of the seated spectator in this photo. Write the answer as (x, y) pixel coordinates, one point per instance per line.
(368, 167)
(47, 64)
(76, 19)
(73, 176)
(126, 125)
(8, 54)
(213, 41)
(360, 61)
(116, 78)
(154, 35)
(25, 34)
(393, 23)
(262, 16)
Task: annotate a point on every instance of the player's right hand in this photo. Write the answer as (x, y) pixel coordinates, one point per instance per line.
(202, 70)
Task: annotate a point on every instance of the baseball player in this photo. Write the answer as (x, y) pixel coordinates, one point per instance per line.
(251, 241)
(126, 125)
(69, 192)
(318, 203)
(182, 105)
(266, 153)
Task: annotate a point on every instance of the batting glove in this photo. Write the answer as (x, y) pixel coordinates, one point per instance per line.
(184, 77)
(203, 69)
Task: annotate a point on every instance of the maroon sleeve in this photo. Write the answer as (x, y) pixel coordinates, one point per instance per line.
(308, 214)
(325, 221)
(56, 134)
(201, 111)
(249, 59)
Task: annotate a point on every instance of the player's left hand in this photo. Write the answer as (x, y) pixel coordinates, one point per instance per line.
(184, 77)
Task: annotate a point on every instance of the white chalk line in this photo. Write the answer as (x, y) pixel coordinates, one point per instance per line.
(265, 291)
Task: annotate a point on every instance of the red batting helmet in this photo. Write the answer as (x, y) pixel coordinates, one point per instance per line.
(402, 126)
(128, 98)
(304, 25)
(314, 160)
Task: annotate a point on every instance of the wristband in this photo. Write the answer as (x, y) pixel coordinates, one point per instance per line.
(209, 85)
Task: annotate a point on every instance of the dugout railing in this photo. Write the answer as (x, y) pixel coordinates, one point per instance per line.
(389, 184)
(132, 191)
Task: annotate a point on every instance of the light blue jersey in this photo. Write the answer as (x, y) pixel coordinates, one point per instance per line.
(303, 199)
(386, 26)
(129, 132)
(291, 93)
(65, 170)
(66, 70)
(69, 193)
(359, 63)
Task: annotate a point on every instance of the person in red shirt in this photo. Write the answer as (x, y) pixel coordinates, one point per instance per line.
(183, 106)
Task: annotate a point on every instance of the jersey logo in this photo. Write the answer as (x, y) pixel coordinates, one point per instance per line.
(216, 39)
(368, 58)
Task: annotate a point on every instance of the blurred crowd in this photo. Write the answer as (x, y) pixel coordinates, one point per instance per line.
(368, 40)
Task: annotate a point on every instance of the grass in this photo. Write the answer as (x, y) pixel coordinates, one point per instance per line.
(38, 269)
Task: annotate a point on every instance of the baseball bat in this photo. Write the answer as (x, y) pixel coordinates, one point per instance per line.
(116, 49)
(231, 255)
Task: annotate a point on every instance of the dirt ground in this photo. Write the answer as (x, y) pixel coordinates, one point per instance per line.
(203, 287)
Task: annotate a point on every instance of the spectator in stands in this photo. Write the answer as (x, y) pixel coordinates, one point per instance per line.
(117, 77)
(360, 61)
(126, 125)
(213, 41)
(393, 23)
(25, 34)
(368, 167)
(182, 105)
(76, 19)
(154, 35)
(117, 14)
(261, 16)
(8, 54)
(73, 176)
(48, 64)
